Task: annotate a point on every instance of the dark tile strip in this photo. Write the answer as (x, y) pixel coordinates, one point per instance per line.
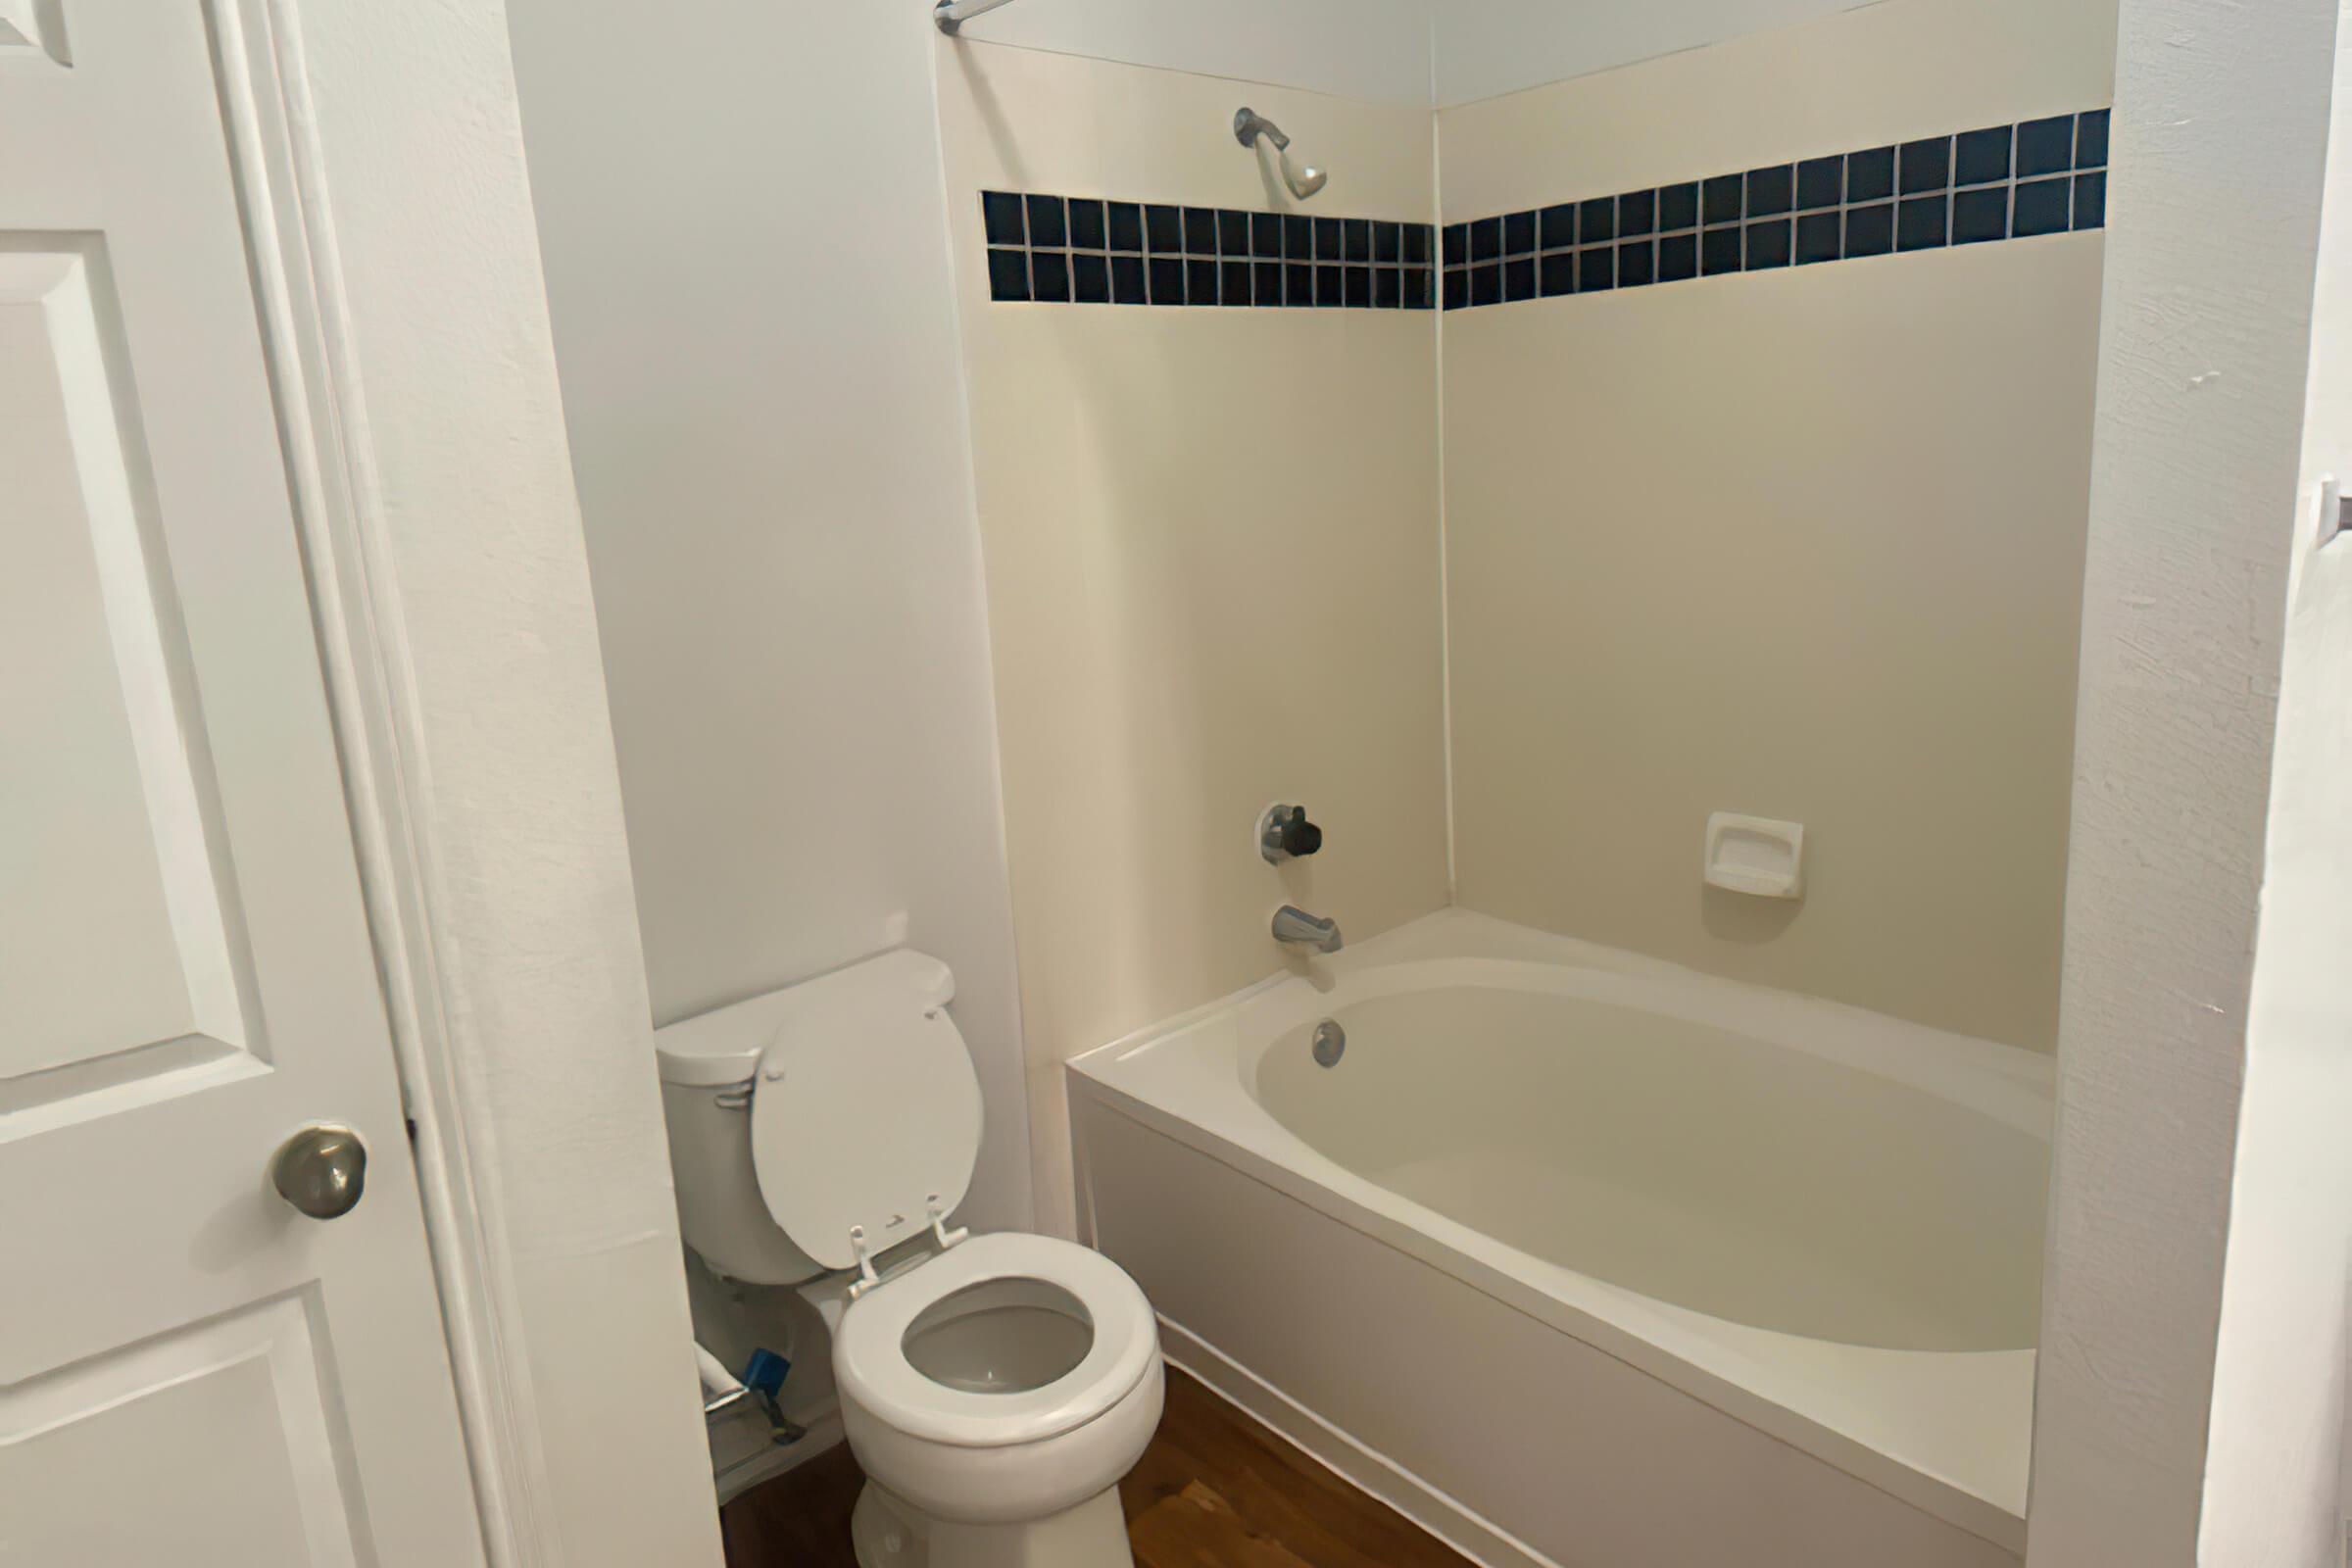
(2039, 176)
(1086, 249)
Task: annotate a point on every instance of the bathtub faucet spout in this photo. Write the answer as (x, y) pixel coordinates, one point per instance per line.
(1294, 925)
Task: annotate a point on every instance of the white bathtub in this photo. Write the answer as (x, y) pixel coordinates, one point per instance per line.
(1586, 1260)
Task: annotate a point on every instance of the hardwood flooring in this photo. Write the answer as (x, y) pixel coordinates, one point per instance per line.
(1214, 1490)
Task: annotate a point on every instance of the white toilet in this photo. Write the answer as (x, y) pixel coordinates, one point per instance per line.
(995, 1388)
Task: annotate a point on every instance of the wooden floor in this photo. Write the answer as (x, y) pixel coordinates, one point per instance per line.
(1214, 1490)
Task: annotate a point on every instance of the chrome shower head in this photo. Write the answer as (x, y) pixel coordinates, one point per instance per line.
(1305, 180)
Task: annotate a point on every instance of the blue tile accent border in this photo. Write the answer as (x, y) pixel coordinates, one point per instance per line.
(2001, 182)
(1089, 250)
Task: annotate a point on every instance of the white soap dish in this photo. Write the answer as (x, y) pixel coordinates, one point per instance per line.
(1756, 856)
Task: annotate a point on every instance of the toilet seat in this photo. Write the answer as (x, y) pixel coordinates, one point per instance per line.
(869, 1354)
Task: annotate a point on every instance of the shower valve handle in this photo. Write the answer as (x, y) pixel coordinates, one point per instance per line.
(1284, 834)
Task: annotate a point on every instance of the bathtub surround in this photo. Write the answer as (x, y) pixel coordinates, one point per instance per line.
(1131, 589)
(1212, 557)
(1997, 182)
(1852, 610)
(778, 504)
(1803, 543)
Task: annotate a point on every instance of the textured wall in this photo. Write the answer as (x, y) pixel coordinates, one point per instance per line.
(2221, 122)
(2275, 1490)
(506, 763)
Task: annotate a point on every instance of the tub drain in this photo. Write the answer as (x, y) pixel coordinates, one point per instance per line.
(1331, 1043)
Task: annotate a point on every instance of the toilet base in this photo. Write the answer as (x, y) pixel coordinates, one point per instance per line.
(889, 1533)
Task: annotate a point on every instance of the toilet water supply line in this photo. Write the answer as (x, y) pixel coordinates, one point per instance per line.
(724, 1391)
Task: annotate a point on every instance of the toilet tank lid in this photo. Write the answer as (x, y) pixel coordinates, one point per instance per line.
(719, 1048)
(712, 1049)
(866, 1111)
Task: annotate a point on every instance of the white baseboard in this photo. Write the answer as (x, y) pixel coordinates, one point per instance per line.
(1465, 1531)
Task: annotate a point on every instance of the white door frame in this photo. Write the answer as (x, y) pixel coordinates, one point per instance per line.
(304, 326)
(416, 566)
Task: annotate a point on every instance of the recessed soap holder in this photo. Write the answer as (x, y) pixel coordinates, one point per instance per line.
(1756, 856)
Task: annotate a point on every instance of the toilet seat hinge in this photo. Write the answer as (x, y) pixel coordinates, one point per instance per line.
(866, 1279)
(939, 1224)
(862, 1249)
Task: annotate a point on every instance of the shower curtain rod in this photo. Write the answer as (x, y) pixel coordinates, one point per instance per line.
(952, 14)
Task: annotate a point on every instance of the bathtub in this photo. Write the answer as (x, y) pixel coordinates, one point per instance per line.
(1584, 1259)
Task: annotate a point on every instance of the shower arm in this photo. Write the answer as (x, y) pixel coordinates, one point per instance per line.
(1248, 125)
(951, 14)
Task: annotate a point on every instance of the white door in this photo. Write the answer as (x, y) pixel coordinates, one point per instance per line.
(193, 1373)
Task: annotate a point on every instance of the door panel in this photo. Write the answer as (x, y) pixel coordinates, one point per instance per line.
(124, 968)
(108, 1476)
(185, 973)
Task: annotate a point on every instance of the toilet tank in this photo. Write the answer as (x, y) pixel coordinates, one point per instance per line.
(707, 1068)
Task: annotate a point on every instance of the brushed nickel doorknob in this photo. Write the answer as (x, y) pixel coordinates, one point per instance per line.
(321, 1170)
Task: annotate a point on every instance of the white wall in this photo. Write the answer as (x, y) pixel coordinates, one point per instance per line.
(1485, 48)
(499, 750)
(2274, 1450)
(2221, 122)
(748, 269)
(1370, 49)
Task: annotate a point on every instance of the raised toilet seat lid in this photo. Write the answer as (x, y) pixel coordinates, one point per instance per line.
(869, 1356)
(865, 1112)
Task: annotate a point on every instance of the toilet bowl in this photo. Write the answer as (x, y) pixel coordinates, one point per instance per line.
(995, 1388)
(993, 1396)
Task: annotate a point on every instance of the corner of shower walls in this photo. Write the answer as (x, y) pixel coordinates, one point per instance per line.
(1208, 541)
(1436, 197)
(1802, 542)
